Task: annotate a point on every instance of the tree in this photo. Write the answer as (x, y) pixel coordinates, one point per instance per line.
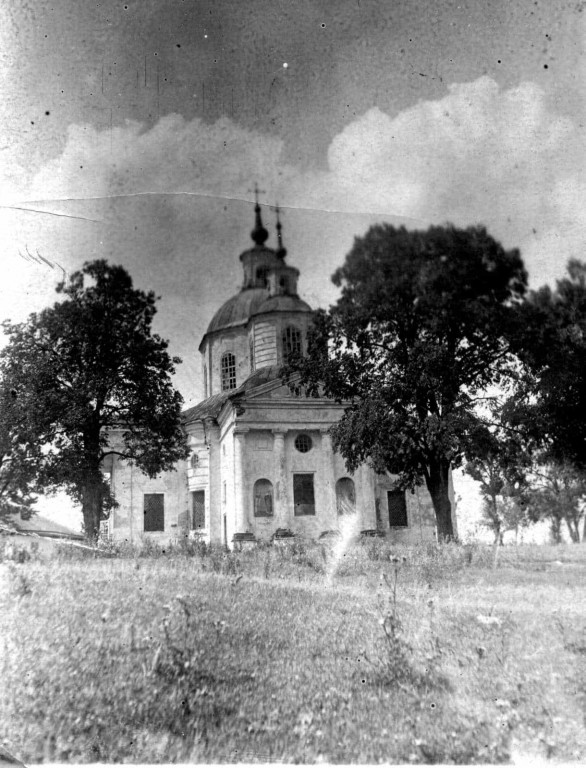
(551, 342)
(83, 369)
(499, 463)
(410, 348)
(19, 459)
(558, 490)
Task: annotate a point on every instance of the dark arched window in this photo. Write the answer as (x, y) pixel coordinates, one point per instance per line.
(291, 341)
(251, 352)
(263, 498)
(262, 276)
(228, 368)
(345, 496)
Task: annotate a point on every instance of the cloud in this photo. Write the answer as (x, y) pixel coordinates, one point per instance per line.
(173, 157)
(480, 154)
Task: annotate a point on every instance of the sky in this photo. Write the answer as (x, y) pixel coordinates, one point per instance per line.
(135, 131)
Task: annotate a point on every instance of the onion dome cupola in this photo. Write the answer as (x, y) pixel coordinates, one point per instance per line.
(282, 278)
(248, 330)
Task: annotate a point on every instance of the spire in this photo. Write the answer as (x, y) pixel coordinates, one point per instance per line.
(281, 250)
(259, 233)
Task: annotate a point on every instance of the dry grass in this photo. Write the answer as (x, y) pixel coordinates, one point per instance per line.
(260, 656)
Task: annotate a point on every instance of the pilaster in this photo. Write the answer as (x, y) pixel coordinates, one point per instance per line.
(329, 478)
(242, 523)
(212, 437)
(281, 497)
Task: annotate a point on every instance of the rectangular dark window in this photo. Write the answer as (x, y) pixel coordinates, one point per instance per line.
(397, 509)
(154, 512)
(228, 371)
(198, 512)
(303, 496)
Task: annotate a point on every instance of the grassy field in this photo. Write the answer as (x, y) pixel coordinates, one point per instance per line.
(402, 655)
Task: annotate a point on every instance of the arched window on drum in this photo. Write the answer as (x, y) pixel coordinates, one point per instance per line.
(345, 496)
(291, 342)
(263, 498)
(228, 371)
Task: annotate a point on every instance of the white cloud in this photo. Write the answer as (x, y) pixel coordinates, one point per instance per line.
(174, 156)
(480, 154)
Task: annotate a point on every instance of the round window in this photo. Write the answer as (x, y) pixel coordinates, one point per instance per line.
(303, 443)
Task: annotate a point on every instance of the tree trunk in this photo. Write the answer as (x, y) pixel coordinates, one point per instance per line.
(498, 541)
(91, 506)
(438, 485)
(574, 530)
(556, 530)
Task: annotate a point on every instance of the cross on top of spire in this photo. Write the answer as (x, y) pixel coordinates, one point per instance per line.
(257, 192)
(281, 250)
(259, 233)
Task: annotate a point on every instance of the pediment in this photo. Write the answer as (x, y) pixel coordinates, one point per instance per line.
(271, 390)
(277, 391)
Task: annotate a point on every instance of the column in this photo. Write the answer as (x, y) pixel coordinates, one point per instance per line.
(281, 500)
(216, 528)
(366, 497)
(240, 496)
(330, 511)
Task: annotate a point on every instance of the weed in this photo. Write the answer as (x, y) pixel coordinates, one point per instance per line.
(20, 585)
(398, 651)
(18, 553)
(276, 667)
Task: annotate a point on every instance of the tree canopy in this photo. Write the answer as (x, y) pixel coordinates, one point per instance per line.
(551, 342)
(19, 457)
(411, 347)
(557, 494)
(81, 371)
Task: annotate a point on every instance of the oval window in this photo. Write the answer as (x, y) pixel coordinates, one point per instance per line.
(303, 443)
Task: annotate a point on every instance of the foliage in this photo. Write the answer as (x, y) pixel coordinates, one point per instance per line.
(500, 460)
(91, 381)
(558, 492)
(411, 346)
(551, 341)
(19, 458)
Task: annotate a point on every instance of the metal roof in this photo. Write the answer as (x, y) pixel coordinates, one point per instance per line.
(253, 301)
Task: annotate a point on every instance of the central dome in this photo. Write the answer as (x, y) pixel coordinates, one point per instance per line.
(253, 301)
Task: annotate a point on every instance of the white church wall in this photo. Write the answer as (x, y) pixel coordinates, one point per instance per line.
(421, 523)
(130, 485)
(261, 464)
(234, 341)
(265, 343)
(214, 506)
(269, 332)
(228, 490)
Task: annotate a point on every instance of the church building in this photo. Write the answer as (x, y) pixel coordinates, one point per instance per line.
(261, 462)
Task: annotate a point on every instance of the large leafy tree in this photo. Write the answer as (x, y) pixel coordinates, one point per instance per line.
(411, 347)
(551, 341)
(82, 370)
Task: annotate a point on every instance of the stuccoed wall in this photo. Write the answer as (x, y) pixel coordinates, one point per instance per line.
(265, 331)
(198, 478)
(234, 341)
(326, 468)
(129, 486)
